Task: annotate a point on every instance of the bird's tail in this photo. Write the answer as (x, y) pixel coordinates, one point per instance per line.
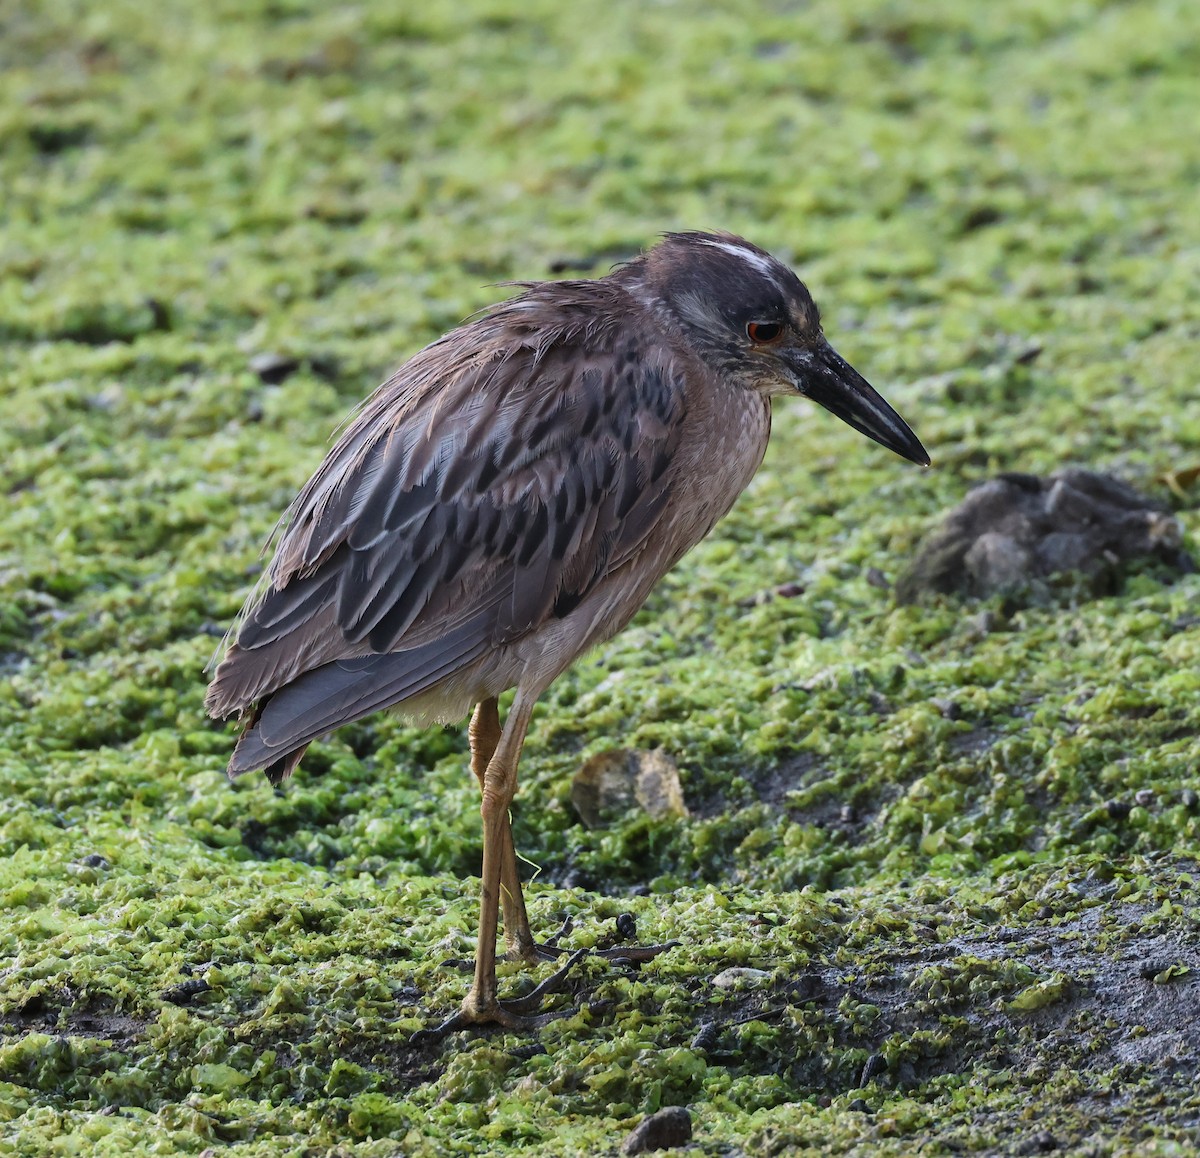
(284, 723)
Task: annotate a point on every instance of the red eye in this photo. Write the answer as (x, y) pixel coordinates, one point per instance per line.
(764, 333)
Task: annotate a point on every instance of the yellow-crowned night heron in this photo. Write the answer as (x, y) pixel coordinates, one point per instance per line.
(508, 499)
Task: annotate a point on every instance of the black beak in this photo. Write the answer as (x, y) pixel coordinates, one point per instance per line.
(823, 375)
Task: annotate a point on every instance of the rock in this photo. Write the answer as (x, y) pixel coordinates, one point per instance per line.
(875, 1065)
(1014, 532)
(273, 368)
(611, 783)
(186, 992)
(741, 977)
(661, 1131)
(1043, 1142)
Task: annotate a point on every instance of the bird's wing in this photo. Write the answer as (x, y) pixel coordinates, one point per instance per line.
(483, 491)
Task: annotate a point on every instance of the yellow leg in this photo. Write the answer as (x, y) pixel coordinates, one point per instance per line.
(485, 734)
(499, 786)
(495, 753)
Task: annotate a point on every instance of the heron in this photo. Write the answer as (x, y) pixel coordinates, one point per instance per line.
(507, 500)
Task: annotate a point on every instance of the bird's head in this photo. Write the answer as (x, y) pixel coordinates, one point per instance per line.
(753, 321)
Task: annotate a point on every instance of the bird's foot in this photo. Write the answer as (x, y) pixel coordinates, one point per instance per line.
(534, 952)
(524, 948)
(521, 1013)
(514, 1013)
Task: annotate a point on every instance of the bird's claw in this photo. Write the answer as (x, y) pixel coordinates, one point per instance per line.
(532, 952)
(553, 940)
(514, 1013)
(519, 1013)
(538, 953)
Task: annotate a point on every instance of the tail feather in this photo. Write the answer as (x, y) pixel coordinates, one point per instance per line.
(278, 772)
(287, 721)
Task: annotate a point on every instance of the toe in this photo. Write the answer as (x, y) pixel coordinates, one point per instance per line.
(553, 984)
(515, 1013)
(635, 953)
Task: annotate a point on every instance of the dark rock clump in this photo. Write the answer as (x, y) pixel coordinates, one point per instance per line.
(662, 1131)
(1015, 532)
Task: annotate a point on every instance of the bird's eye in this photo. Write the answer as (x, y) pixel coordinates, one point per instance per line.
(763, 333)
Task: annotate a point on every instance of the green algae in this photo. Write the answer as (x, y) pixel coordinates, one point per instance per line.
(959, 838)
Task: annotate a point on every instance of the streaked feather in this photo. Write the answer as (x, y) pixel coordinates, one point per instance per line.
(485, 488)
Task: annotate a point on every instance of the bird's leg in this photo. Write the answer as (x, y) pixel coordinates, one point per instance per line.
(484, 733)
(495, 752)
(482, 1003)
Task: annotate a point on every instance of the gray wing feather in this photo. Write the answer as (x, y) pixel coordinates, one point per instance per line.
(482, 491)
(326, 697)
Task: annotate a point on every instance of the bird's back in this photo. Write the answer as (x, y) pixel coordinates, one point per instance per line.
(484, 492)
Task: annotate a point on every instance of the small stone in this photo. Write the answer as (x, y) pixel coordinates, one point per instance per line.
(273, 369)
(1043, 1142)
(1189, 799)
(96, 861)
(1014, 532)
(877, 578)
(859, 1106)
(1144, 797)
(661, 1131)
(741, 977)
(1117, 809)
(997, 561)
(875, 1065)
(611, 783)
(186, 992)
(789, 590)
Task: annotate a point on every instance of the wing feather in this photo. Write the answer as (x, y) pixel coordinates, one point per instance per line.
(325, 697)
(484, 490)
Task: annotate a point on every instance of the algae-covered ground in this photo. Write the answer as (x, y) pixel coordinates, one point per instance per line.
(948, 850)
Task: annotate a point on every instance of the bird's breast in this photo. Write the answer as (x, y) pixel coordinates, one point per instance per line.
(720, 454)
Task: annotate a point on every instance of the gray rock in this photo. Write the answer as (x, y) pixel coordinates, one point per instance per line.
(1017, 530)
(611, 783)
(661, 1131)
(741, 977)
